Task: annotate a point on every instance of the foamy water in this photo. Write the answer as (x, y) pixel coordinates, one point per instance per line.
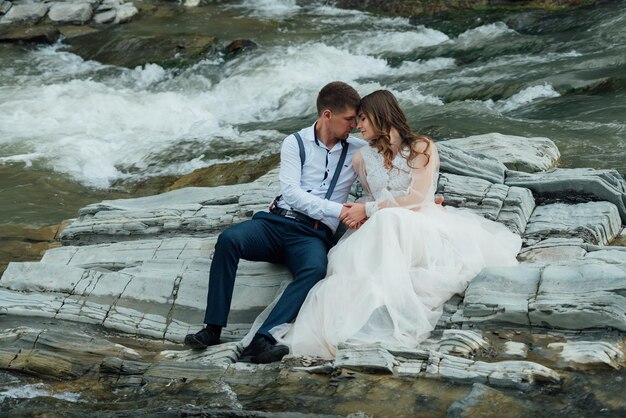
(96, 130)
(34, 391)
(528, 95)
(98, 124)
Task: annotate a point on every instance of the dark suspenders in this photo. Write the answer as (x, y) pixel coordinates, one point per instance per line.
(342, 159)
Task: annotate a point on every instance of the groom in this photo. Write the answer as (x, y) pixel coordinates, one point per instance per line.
(316, 174)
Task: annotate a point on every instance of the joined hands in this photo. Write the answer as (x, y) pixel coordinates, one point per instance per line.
(354, 216)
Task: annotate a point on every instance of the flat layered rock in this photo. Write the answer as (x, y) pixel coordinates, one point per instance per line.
(511, 206)
(457, 161)
(575, 295)
(418, 362)
(56, 354)
(593, 222)
(154, 288)
(574, 185)
(590, 353)
(562, 249)
(515, 152)
(201, 211)
(463, 343)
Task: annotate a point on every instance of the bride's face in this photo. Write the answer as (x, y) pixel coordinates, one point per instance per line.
(365, 127)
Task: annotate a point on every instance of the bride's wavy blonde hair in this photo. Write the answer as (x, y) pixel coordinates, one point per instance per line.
(382, 109)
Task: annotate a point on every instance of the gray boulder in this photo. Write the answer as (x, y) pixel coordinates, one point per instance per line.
(582, 354)
(516, 152)
(125, 12)
(576, 294)
(104, 17)
(593, 222)
(5, 6)
(510, 205)
(25, 13)
(458, 161)
(574, 185)
(77, 13)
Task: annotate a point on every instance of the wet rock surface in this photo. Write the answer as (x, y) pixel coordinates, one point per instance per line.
(133, 273)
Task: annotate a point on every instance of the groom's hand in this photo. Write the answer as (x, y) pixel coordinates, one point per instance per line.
(353, 214)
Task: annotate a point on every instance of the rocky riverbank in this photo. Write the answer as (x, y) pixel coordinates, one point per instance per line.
(542, 338)
(97, 29)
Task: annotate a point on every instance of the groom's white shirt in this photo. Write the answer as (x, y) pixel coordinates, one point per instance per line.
(303, 187)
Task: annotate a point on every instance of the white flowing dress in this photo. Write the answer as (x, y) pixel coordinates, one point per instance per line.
(388, 280)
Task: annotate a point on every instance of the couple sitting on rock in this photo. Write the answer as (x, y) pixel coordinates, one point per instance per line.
(388, 277)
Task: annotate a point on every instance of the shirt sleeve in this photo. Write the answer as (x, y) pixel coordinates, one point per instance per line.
(290, 176)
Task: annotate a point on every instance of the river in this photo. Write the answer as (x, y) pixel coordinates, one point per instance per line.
(73, 131)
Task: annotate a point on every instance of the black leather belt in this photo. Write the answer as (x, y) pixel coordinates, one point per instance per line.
(301, 217)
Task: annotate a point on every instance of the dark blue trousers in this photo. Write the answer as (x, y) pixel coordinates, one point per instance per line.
(272, 238)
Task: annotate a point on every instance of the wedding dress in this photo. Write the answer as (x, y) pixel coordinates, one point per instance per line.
(387, 281)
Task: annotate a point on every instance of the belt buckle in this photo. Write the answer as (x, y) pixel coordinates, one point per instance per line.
(290, 214)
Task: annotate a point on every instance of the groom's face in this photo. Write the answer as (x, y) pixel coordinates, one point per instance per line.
(342, 123)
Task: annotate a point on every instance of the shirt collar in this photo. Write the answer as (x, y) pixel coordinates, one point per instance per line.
(317, 142)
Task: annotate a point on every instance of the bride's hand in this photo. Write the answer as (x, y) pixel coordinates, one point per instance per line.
(354, 215)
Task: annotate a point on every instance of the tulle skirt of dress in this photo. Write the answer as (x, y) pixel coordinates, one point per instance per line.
(387, 281)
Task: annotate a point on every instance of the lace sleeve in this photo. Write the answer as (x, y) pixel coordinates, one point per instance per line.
(359, 167)
(410, 187)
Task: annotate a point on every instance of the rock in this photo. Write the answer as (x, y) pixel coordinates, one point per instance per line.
(500, 294)
(516, 152)
(580, 295)
(110, 46)
(576, 294)
(25, 13)
(189, 211)
(610, 255)
(457, 161)
(593, 222)
(515, 349)
(513, 374)
(553, 249)
(365, 358)
(561, 249)
(236, 172)
(239, 45)
(125, 12)
(221, 355)
(104, 17)
(463, 343)
(39, 34)
(23, 243)
(106, 5)
(77, 13)
(574, 185)
(155, 288)
(510, 205)
(590, 353)
(66, 354)
(5, 6)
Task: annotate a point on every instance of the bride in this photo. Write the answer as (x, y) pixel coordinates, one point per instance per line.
(388, 278)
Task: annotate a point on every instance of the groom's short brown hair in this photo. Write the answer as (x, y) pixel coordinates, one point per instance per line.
(337, 96)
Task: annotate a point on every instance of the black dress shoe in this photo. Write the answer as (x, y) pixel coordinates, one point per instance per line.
(202, 339)
(262, 350)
